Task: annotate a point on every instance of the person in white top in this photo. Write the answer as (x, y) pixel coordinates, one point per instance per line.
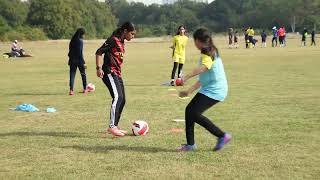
(15, 49)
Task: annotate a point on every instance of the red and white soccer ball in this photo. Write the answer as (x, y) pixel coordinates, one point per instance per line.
(91, 87)
(140, 128)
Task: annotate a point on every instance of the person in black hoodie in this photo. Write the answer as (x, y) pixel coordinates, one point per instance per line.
(313, 35)
(76, 60)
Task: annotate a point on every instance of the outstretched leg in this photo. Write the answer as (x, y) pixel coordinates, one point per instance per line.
(198, 105)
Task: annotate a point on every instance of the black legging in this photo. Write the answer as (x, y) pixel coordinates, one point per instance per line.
(174, 69)
(274, 41)
(73, 71)
(116, 88)
(198, 105)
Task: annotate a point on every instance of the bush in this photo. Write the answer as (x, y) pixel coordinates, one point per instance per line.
(14, 35)
(22, 33)
(33, 34)
(144, 32)
(4, 28)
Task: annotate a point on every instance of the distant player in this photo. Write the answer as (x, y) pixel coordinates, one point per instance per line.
(304, 37)
(284, 36)
(252, 42)
(213, 89)
(76, 60)
(274, 41)
(281, 33)
(180, 41)
(263, 39)
(111, 74)
(230, 35)
(235, 39)
(313, 38)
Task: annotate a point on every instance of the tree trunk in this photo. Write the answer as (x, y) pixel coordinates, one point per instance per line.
(293, 24)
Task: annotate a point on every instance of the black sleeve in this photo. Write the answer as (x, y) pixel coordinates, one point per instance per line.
(104, 48)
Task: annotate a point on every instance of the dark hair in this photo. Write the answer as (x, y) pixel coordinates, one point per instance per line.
(77, 36)
(178, 31)
(204, 36)
(125, 26)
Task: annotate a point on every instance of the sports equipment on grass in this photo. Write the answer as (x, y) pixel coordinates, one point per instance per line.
(140, 128)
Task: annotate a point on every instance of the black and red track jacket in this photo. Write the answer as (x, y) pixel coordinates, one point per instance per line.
(113, 50)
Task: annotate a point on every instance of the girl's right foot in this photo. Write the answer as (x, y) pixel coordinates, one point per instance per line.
(116, 132)
(222, 141)
(85, 91)
(186, 147)
(123, 131)
(71, 93)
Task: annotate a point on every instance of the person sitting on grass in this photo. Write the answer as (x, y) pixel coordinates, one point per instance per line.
(15, 49)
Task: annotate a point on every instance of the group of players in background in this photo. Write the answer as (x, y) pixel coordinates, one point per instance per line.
(278, 37)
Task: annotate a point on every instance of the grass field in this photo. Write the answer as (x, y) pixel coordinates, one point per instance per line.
(272, 111)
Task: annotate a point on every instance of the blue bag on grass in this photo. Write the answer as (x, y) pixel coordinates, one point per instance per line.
(27, 108)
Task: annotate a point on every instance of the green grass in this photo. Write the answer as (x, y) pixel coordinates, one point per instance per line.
(272, 111)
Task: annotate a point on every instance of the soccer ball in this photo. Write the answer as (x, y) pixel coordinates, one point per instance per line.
(140, 128)
(91, 87)
(179, 82)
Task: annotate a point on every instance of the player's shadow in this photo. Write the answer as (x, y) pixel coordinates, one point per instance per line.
(50, 134)
(35, 94)
(142, 85)
(106, 149)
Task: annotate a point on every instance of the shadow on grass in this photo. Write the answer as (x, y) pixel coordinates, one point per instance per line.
(105, 149)
(35, 94)
(143, 85)
(50, 134)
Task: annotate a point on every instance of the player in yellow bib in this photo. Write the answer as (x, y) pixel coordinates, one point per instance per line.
(180, 41)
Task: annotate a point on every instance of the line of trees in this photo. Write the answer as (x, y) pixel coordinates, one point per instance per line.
(57, 19)
(220, 15)
(54, 19)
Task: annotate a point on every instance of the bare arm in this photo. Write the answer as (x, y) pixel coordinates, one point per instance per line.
(194, 87)
(195, 72)
(100, 72)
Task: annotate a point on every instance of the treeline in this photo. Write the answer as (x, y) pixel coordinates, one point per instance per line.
(220, 15)
(57, 19)
(54, 19)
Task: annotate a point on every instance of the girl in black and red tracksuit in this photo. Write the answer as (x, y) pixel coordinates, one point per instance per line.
(110, 72)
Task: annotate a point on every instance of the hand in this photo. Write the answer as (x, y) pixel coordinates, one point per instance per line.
(85, 66)
(183, 94)
(100, 73)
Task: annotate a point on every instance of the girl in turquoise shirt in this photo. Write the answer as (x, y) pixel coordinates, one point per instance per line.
(213, 89)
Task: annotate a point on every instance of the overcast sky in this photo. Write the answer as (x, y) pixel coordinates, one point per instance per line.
(152, 1)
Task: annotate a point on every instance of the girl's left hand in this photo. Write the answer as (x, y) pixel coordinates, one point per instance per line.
(183, 94)
(85, 66)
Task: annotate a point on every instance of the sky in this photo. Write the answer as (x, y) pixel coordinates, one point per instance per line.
(152, 1)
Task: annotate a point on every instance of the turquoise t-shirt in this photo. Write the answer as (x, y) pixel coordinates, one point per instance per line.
(213, 82)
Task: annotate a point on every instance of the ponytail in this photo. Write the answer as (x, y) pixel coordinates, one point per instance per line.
(204, 37)
(125, 26)
(77, 35)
